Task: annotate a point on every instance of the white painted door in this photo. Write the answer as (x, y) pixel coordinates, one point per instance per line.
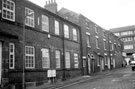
(0, 61)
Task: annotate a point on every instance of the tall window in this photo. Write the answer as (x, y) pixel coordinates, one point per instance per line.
(96, 30)
(57, 28)
(88, 40)
(29, 57)
(97, 42)
(8, 10)
(45, 23)
(104, 44)
(11, 55)
(103, 33)
(45, 58)
(67, 60)
(74, 34)
(57, 57)
(29, 20)
(66, 31)
(76, 62)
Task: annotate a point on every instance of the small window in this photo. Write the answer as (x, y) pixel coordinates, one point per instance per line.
(29, 57)
(11, 55)
(29, 20)
(45, 58)
(8, 10)
(45, 23)
(74, 34)
(57, 28)
(57, 57)
(66, 31)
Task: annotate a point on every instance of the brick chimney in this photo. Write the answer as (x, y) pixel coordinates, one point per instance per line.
(51, 5)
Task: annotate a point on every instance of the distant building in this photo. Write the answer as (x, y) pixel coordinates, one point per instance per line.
(127, 35)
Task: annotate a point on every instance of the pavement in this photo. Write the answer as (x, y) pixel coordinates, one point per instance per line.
(61, 84)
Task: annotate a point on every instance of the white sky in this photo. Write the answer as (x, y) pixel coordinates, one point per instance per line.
(106, 13)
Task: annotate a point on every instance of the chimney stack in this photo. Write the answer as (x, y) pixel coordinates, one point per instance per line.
(51, 5)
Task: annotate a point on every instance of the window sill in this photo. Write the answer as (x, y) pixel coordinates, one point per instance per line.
(98, 65)
(89, 46)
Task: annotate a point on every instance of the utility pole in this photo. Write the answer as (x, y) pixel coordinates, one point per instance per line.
(23, 74)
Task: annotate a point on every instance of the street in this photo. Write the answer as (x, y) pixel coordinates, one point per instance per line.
(120, 79)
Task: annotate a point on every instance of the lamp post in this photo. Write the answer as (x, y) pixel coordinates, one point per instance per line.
(23, 75)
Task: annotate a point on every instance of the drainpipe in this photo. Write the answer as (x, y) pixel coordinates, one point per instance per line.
(63, 74)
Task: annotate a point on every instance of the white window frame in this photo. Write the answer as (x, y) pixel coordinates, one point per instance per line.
(76, 61)
(57, 29)
(30, 54)
(75, 34)
(45, 23)
(11, 47)
(29, 20)
(45, 58)
(8, 10)
(57, 57)
(67, 60)
(66, 31)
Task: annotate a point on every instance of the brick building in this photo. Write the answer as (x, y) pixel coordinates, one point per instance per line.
(104, 46)
(51, 43)
(64, 41)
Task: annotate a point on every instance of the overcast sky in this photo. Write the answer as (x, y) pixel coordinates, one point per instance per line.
(106, 13)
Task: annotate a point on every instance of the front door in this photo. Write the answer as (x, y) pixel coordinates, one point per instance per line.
(113, 63)
(89, 65)
(0, 61)
(102, 62)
